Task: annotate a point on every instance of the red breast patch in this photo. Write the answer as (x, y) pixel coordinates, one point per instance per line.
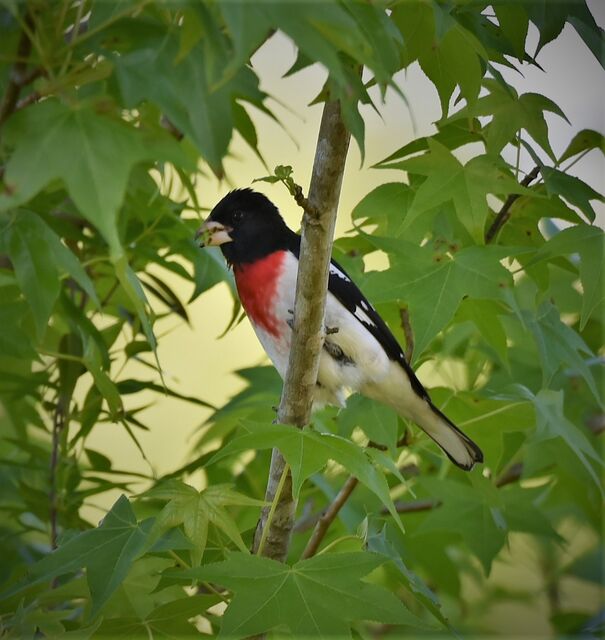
(257, 285)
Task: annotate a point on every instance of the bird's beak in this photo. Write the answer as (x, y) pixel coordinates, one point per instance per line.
(212, 234)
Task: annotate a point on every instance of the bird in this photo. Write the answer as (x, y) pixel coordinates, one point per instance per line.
(359, 354)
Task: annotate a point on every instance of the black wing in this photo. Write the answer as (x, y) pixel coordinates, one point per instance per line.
(342, 287)
(348, 294)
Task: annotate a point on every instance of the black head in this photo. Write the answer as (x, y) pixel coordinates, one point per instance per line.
(246, 225)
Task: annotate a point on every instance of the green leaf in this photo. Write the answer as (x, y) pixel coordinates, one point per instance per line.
(164, 292)
(380, 542)
(40, 259)
(475, 513)
(92, 360)
(106, 552)
(584, 140)
(551, 422)
(35, 270)
(484, 315)
(452, 135)
(510, 113)
(92, 154)
(131, 385)
(318, 597)
(248, 28)
(195, 510)
(98, 461)
(559, 345)
(132, 286)
(377, 421)
(574, 190)
(307, 452)
(180, 87)
(449, 54)
(467, 186)
(15, 340)
(433, 285)
(587, 242)
(513, 21)
(168, 620)
(548, 17)
(389, 200)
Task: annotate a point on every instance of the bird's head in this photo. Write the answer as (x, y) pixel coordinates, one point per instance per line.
(246, 225)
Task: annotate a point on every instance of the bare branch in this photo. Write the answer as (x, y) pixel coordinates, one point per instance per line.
(504, 213)
(307, 331)
(322, 526)
(58, 426)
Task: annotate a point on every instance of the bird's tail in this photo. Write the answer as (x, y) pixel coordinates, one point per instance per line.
(458, 447)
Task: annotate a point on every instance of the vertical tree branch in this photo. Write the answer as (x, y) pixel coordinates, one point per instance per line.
(318, 225)
(58, 426)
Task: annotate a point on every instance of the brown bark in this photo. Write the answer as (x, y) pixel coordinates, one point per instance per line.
(318, 224)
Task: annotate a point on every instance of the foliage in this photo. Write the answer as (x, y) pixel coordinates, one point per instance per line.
(110, 111)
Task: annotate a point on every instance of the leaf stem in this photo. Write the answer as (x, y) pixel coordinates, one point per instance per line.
(577, 159)
(59, 356)
(274, 503)
(337, 542)
(178, 559)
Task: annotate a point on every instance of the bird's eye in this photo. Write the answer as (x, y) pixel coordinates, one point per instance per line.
(237, 216)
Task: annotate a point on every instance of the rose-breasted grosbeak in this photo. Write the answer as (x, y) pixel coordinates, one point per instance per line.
(359, 354)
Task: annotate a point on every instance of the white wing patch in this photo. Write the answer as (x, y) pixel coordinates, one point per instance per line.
(335, 271)
(360, 314)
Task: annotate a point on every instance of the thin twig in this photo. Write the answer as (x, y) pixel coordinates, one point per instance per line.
(58, 425)
(408, 332)
(504, 213)
(321, 528)
(414, 506)
(278, 494)
(31, 98)
(304, 203)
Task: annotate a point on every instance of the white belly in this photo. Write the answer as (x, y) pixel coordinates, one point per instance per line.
(336, 378)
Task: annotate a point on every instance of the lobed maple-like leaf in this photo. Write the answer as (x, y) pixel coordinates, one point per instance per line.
(319, 597)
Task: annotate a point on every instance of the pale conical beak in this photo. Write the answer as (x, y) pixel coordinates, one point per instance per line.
(212, 234)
